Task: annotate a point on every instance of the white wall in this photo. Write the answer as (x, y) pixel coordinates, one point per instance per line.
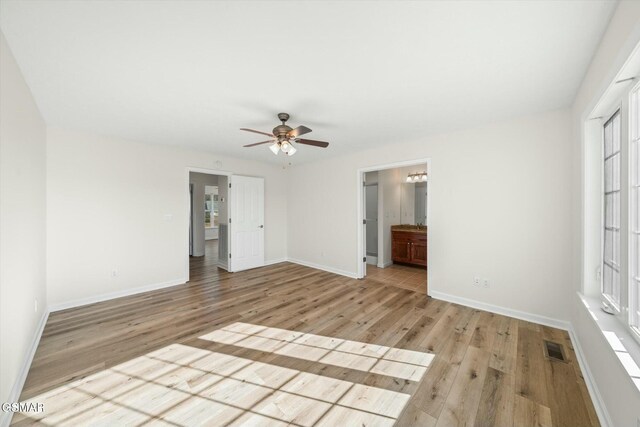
(500, 209)
(389, 212)
(621, 399)
(22, 221)
(116, 205)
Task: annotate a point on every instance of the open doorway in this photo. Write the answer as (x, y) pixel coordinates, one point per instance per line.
(208, 222)
(394, 215)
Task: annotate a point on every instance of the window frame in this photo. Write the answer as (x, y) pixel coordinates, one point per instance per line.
(617, 306)
(633, 178)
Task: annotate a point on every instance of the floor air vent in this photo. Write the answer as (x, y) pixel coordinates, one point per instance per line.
(554, 351)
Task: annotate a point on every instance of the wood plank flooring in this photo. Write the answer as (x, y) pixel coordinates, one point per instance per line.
(400, 276)
(287, 344)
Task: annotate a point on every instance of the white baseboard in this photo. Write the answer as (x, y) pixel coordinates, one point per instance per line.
(324, 268)
(530, 317)
(385, 264)
(596, 397)
(16, 391)
(113, 295)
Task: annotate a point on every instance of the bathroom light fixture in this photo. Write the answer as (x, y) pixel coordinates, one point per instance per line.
(417, 177)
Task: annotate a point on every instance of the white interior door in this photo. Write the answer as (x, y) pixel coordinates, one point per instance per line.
(246, 220)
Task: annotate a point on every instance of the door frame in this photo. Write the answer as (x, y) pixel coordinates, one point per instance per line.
(360, 208)
(188, 170)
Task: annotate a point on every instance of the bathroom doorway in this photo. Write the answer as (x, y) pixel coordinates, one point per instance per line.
(393, 223)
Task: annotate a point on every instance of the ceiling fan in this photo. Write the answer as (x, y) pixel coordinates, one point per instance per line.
(284, 136)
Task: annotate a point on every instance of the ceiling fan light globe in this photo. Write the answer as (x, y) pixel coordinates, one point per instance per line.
(292, 150)
(275, 148)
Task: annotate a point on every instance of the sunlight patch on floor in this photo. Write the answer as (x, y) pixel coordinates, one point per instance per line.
(182, 385)
(383, 360)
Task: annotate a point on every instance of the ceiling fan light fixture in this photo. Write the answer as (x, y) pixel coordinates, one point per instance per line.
(275, 148)
(292, 150)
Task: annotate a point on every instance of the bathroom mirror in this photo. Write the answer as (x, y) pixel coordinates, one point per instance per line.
(413, 203)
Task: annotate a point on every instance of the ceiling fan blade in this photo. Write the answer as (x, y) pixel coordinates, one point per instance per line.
(271, 141)
(256, 131)
(300, 130)
(313, 142)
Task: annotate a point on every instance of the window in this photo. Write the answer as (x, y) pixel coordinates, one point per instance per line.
(634, 204)
(211, 207)
(611, 256)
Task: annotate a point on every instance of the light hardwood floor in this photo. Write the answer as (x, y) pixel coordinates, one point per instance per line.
(287, 344)
(401, 276)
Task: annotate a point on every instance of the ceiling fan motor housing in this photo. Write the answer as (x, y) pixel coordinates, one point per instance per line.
(281, 131)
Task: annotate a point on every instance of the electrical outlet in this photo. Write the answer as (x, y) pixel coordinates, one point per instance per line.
(485, 283)
(476, 281)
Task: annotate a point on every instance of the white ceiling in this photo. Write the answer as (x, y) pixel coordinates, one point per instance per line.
(358, 73)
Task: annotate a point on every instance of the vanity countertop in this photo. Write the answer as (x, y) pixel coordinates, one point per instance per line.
(410, 228)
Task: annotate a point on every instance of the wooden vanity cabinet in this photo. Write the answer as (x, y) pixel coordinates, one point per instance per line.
(409, 247)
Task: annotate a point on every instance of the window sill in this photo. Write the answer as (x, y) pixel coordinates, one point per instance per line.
(618, 336)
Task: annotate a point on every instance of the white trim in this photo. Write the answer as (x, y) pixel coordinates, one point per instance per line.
(385, 264)
(592, 387)
(522, 315)
(189, 169)
(360, 201)
(112, 295)
(16, 391)
(324, 268)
